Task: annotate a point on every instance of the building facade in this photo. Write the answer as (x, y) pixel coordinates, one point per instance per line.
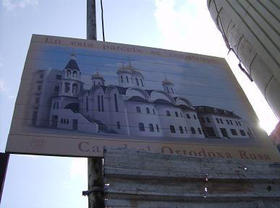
(251, 29)
(128, 108)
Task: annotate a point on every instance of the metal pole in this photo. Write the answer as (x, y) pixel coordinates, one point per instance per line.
(4, 159)
(102, 19)
(91, 20)
(95, 173)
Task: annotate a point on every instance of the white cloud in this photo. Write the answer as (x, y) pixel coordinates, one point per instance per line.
(14, 4)
(2, 86)
(188, 26)
(78, 168)
(1, 61)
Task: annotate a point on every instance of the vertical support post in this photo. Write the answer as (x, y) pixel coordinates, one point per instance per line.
(91, 20)
(4, 159)
(95, 166)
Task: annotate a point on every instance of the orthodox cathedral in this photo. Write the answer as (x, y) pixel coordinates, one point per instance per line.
(129, 108)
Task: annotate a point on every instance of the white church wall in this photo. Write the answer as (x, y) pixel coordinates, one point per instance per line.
(116, 119)
(172, 125)
(46, 84)
(147, 116)
(192, 121)
(66, 119)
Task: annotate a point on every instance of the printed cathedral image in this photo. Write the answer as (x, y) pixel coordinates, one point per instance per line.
(129, 108)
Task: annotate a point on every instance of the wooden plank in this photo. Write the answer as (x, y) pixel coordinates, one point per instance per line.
(183, 190)
(148, 165)
(164, 204)
(141, 179)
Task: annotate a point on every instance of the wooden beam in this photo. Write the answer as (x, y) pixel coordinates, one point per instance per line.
(141, 179)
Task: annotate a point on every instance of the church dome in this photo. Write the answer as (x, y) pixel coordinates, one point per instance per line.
(125, 69)
(128, 69)
(97, 76)
(167, 82)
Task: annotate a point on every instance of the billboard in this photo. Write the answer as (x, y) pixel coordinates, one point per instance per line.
(78, 97)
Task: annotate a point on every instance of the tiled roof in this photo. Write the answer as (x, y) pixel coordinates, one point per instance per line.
(215, 111)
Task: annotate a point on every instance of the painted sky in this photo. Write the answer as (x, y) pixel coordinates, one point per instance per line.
(184, 25)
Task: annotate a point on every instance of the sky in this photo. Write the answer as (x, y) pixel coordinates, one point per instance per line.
(183, 25)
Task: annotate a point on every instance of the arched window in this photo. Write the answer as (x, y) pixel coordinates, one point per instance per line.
(151, 127)
(66, 87)
(98, 103)
(242, 132)
(147, 110)
(181, 129)
(249, 132)
(56, 88)
(188, 116)
(138, 109)
(194, 117)
(157, 128)
(116, 103)
(186, 130)
(102, 103)
(172, 129)
(218, 121)
(192, 130)
(68, 73)
(141, 82)
(74, 74)
(127, 79)
(176, 114)
(141, 127)
(199, 131)
(137, 82)
(168, 113)
(121, 79)
(74, 88)
(118, 125)
(87, 103)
